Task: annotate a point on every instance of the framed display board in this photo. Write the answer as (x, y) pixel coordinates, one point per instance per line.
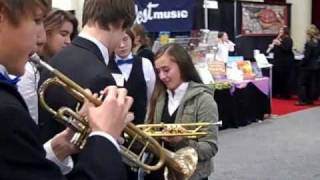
(263, 19)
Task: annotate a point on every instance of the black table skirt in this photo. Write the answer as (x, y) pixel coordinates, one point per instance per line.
(242, 107)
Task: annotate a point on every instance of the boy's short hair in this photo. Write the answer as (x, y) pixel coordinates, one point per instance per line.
(15, 10)
(109, 12)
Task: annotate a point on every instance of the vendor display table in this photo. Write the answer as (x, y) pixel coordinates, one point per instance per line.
(245, 102)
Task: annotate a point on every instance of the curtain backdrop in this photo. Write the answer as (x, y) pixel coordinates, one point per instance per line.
(316, 12)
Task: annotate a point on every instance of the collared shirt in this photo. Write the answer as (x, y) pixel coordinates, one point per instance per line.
(223, 50)
(174, 99)
(5, 73)
(148, 73)
(65, 166)
(28, 86)
(103, 49)
(3, 70)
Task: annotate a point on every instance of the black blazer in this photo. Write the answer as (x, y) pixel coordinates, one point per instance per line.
(22, 156)
(311, 60)
(82, 62)
(283, 54)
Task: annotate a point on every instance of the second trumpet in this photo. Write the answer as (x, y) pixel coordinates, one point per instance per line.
(188, 130)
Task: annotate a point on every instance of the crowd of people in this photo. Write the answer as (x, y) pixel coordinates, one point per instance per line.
(111, 59)
(308, 70)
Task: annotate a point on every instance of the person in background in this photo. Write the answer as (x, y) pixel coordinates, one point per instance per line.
(224, 47)
(309, 68)
(85, 60)
(28, 85)
(59, 28)
(282, 63)
(181, 97)
(21, 154)
(137, 75)
(141, 46)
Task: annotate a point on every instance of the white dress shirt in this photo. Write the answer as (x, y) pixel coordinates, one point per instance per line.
(174, 99)
(28, 86)
(148, 73)
(223, 50)
(65, 166)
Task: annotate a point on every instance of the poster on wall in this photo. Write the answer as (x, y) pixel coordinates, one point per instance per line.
(263, 19)
(165, 15)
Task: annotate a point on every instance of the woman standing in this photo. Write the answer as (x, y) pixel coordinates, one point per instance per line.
(282, 64)
(181, 97)
(309, 68)
(224, 47)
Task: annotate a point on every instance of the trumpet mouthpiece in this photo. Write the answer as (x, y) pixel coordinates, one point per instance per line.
(35, 58)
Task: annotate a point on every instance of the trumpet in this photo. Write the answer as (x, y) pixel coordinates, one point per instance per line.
(181, 163)
(187, 130)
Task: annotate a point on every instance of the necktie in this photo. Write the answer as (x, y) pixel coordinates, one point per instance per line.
(127, 61)
(9, 81)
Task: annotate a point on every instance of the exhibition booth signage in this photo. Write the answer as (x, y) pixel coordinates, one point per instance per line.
(165, 15)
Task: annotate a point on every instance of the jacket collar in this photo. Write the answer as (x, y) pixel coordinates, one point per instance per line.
(90, 46)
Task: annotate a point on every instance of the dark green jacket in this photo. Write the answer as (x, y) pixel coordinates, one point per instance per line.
(197, 105)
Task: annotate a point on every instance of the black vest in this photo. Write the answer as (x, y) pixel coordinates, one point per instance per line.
(166, 117)
(137, 88)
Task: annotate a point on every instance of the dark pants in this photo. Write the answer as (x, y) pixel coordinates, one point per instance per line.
(308, 86)
(281, 81)
(131, 174)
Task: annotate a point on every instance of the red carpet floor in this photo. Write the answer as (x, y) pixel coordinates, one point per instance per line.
(285, 106)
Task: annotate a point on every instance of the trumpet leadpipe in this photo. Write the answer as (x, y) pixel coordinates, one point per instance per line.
(163, 125)
(187, 130)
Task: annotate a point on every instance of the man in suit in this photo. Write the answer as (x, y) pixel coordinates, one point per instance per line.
(21, 154)
(85, 60)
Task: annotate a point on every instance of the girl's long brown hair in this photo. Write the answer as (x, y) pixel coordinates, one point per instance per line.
(186, 67)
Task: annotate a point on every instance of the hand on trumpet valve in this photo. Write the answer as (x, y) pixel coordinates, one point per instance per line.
(113, 114)
(61, 145)
(173, 130)
(83, 110)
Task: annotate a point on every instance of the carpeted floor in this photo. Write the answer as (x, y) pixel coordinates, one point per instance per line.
(285, 106)
(286, 148)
